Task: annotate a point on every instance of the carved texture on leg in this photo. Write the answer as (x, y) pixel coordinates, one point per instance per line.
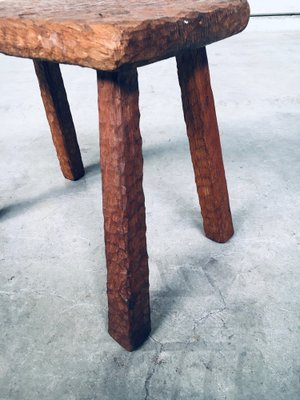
(124, 209)
(205, 146)
(60, 119)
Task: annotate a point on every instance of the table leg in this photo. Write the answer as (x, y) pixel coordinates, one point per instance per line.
(124, 208)
(205, 146)
(60, 119)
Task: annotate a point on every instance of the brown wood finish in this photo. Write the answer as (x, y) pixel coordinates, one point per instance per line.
(115, 37)
(205, 146)
(106, 34)
(123, 207)
(60, 119)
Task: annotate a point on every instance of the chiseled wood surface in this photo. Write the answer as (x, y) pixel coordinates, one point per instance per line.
(60, 119)
(106, 34)
(205, 146)
(124, 208)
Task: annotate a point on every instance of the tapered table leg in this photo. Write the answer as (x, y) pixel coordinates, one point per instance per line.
(205, 146)
(60, 119)
(124, 209)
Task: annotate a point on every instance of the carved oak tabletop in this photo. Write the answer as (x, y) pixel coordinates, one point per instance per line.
(105, 34)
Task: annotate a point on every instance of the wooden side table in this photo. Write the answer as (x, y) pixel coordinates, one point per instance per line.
(115, 38)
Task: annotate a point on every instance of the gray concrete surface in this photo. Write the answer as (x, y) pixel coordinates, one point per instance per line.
(225, 317)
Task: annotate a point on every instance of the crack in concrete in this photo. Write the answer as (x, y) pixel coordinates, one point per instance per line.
(183, 346)
(151, 372)
(214, 312)
(42, 293)
(5, 293)
(213, 285)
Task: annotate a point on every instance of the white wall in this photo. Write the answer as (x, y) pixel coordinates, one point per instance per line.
(274, 6)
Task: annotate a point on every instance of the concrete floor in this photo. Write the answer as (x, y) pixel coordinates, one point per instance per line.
(225, 317)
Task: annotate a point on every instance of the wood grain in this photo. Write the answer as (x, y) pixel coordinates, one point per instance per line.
(106, 34)
(205, 146)
(60, 119)
(124, 208)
